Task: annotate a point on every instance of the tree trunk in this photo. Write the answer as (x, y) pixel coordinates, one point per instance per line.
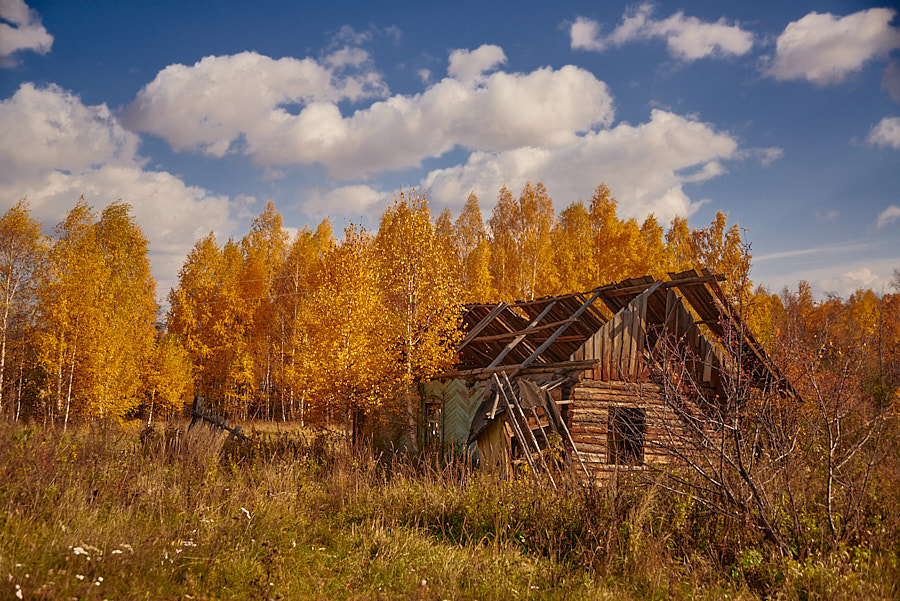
(71, 377)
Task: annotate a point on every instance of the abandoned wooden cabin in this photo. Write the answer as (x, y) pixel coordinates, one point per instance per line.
(590, 370)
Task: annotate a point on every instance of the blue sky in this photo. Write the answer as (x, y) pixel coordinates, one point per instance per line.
(785, 115)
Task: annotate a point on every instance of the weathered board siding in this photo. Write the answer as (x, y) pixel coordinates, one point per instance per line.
(494, 447)
(618, 346)
(459, 405)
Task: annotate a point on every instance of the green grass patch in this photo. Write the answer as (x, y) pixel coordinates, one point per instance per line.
(111, 513)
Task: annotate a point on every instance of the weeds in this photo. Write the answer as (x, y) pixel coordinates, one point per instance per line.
(99, 513)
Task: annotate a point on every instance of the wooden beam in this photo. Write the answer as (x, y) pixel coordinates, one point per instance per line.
(482, 325)
(537, 352)
(525, 332)
(484, 373)
(514, 342)
(689, 281)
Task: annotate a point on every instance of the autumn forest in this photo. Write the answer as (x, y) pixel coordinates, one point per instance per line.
(313, 326)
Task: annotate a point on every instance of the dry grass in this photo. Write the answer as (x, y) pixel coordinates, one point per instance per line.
(113, 513)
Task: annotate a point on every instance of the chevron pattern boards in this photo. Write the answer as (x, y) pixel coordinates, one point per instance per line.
(460, 404)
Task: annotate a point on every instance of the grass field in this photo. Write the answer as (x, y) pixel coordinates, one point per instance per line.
(117, 513)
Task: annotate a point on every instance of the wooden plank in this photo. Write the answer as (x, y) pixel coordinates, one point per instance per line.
(638, 332)
(537, 352)
(620, 385)
(521, 337)
(482, 325)
(515, 426)
(605, 339)
(628, 319)
(529, 330)
(518, 407)
(618, 345)
(484, 373)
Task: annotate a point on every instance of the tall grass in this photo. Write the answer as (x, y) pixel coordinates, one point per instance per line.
(110, 513)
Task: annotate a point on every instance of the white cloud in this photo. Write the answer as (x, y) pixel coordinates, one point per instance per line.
(50, 129)
(840, 268)
(350, 36)
(209, 106)
(22, 30)
(53, 149)
(887, 216)
(467, 66)
(585, 35)
(771, 154)
(825, 49)
(687, 38)
(347, 56)
(645, 166)
(236, 104)
(886, 133)
(890, 81)
(347, 200)
(849, 282)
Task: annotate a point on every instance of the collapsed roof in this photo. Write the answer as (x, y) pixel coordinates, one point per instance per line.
(552, 334)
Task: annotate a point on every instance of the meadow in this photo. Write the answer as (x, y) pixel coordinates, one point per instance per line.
(112, 512)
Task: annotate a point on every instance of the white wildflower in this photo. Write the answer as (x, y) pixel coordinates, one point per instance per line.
(116, 552)
(19, 594)
(79, 551)
(79, 577)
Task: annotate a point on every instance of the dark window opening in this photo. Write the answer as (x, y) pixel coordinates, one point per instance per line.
(627, 426)
(431, 437)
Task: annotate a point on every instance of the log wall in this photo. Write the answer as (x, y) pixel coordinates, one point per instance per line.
(591, 402)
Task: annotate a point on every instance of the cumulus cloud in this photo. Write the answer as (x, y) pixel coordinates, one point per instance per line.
(849, 282)
(825, 48)
(886, 133)
(887, 216)
(53, 149)
(646, 166)
(237, 104)
(210, 105)
(584, 34)
(20, 29)
(466, 66)
(687, 38)
(347, 200)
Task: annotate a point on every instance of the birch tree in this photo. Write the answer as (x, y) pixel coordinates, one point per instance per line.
(23, 248)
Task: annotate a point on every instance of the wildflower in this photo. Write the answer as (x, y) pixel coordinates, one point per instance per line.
(79, 551)
(19, 594)
(79, 577)
(116, 552)
(98, 581)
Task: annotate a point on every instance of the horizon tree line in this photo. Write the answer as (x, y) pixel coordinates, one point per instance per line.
(324, 330)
